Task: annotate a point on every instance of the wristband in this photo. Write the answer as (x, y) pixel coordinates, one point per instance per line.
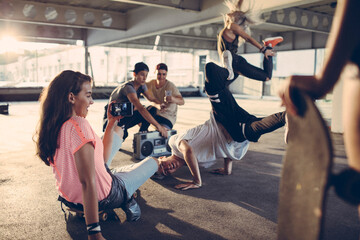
(93, 228)
(263, 49)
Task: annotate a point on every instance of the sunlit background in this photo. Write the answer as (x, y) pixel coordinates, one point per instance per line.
(30, 64)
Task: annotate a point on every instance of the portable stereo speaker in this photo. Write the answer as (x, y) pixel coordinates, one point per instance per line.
(151, 144)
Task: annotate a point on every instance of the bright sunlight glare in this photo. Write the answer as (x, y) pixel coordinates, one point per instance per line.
(8, 44)
(11, 44)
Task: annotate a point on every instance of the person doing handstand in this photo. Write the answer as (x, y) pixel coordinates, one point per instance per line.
(225, 135)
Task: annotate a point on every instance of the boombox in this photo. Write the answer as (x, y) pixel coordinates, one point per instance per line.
(151, 144)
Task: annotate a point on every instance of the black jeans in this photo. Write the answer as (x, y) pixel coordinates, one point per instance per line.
(230, 114)
(241, 66)
(161, 120)
(129, 122)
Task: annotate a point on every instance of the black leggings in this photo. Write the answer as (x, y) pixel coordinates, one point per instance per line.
(241, 66)
(233, 117)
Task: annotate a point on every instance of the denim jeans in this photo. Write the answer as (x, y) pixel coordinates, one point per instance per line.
(115, 147)
(134, 175)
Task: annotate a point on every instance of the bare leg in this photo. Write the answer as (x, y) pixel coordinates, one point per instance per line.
(352, 121)
(351, 115)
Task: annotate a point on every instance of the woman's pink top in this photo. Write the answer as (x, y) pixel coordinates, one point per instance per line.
(74, 134)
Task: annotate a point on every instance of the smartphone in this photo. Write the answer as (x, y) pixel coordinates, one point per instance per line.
(122, 109)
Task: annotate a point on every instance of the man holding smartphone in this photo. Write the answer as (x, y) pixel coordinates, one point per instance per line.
(167, 94)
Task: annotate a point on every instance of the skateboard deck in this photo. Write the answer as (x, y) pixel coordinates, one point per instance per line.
(103, 215)
(305, 174)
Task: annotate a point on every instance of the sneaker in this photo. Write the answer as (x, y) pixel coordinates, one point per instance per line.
(227, 62)
(272, 41)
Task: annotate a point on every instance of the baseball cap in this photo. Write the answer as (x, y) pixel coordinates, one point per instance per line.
(140, 66)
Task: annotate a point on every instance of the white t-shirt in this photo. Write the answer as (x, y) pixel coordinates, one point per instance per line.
(209, 144)
(159, 93)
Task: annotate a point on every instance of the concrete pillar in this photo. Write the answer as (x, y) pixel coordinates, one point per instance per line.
(337, 102)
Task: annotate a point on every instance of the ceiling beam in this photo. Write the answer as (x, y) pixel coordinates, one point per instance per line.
(61, 15)
(299, 19)
(148, 21)
(192, 5)
(35, 32)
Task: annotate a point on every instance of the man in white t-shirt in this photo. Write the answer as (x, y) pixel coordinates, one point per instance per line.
(202, 146)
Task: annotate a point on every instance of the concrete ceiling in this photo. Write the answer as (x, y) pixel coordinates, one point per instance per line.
(166, 24)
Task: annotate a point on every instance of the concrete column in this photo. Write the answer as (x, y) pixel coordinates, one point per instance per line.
(337, 102)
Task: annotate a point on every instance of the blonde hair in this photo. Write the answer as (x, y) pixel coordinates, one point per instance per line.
(238, 15)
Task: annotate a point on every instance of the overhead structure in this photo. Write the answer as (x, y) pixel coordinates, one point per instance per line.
(164, 24)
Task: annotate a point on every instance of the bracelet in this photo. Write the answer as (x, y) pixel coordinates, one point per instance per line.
(93, 228)
(263, 49)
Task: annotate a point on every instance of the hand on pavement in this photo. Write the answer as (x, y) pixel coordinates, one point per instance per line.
(187, 186)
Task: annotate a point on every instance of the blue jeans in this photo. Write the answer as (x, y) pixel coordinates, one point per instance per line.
(134, 175)
(124, 184)
(125, 181)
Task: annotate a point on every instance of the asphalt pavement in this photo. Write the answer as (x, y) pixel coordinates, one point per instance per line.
(240, 206)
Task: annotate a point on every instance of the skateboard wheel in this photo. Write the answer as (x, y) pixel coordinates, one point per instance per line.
(103, 216)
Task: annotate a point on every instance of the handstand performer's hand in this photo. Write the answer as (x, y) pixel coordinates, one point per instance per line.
(187, 186)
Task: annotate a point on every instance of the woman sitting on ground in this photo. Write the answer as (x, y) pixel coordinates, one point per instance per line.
(66, 142)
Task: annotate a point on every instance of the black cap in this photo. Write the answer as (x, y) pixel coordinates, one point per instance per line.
(161, 66)
(140, 66)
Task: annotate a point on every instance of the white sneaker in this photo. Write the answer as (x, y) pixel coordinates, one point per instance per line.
(227, 62)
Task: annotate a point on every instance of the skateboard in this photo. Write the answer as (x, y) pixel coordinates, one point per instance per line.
(71, 208)
(306, 173)
(103, 215)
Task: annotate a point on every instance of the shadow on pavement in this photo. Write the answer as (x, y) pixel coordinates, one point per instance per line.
(155, 223)
(250, 186)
